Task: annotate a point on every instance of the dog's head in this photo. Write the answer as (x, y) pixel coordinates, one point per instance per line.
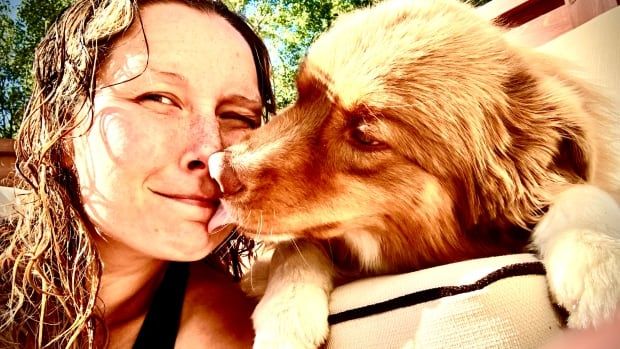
(416, 123)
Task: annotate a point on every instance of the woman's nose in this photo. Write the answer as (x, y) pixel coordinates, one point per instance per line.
(205, 139)
(224, 174)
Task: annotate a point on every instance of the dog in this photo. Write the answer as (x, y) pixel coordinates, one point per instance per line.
(422, 136)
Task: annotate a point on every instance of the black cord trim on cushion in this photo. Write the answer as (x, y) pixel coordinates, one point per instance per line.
(531, 268)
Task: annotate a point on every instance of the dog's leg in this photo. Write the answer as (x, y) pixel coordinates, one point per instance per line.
(293, 312)
(579, 240)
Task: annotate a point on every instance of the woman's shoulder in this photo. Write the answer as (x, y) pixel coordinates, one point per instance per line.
(216, 313)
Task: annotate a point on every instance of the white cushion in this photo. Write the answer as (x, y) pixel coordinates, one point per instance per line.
(7, 197)
(496, 302)
(595, 47)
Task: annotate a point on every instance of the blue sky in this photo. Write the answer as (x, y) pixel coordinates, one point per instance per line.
(14, 4)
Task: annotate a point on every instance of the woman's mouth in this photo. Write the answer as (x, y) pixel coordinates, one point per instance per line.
(191, 199)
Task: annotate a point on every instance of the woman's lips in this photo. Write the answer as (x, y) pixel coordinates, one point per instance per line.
(220, 219)
(192, 207)
(191, 199)
(202, 202)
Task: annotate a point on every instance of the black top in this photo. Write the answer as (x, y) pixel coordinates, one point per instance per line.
(160, 327)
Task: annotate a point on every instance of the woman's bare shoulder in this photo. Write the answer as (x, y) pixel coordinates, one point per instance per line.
(216, 313)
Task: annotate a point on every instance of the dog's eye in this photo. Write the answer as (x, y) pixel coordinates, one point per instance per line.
(363, 136)
(240, 120)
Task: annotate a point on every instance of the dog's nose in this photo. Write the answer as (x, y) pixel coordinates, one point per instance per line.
(223, 173)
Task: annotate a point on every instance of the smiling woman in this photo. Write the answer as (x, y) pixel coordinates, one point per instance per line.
(128, 104)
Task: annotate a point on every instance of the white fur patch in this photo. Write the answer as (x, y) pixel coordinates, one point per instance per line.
(366, 246)
(297, 297)
(579, 240)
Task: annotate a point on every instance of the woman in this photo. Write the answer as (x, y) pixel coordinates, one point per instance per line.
(129, 100)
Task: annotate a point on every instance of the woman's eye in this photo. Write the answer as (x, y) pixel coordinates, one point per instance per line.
(238, 120)
(161, 99)
(158, 102)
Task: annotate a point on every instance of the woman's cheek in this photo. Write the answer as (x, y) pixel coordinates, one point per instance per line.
(123, 139)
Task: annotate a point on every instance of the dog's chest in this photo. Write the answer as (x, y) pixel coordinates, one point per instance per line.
(356, 253)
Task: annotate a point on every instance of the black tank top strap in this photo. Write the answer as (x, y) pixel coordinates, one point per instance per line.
(160, 327)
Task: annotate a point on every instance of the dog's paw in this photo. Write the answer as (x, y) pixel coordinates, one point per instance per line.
(294, 317)
(584, 277)
(579, 239)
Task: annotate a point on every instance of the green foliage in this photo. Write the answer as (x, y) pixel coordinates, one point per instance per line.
(288, 27)
(20, 36)
(10, 89)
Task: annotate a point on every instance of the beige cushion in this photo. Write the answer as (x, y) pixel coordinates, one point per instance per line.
(7, 197)
(595, 47)
(508, 309)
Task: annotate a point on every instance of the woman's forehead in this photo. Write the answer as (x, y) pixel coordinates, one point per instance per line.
(191, 43)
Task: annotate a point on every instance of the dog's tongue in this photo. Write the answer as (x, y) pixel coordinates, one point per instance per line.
(220, 219)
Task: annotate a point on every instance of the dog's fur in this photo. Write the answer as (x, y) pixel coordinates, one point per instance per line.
(420, 137)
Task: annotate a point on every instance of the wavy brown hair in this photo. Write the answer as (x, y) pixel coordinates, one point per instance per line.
(50, 270)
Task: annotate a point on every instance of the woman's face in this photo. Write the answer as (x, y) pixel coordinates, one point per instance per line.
(143, 164)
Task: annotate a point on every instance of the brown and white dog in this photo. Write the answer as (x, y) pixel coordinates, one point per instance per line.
(420, 137)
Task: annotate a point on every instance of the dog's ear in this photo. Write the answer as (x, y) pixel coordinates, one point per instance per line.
(547, 124)
(539, 145)
(572, 159)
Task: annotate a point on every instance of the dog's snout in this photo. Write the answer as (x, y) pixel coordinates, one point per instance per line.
(223, 173)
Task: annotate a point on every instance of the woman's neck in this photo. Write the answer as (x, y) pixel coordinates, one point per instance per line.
(128, 283)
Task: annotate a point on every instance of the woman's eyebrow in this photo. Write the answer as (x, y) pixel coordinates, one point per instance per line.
(166, 74)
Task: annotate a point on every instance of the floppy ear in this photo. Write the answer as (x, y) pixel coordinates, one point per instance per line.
(572, 159)
(548, 125)
(544, 145)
